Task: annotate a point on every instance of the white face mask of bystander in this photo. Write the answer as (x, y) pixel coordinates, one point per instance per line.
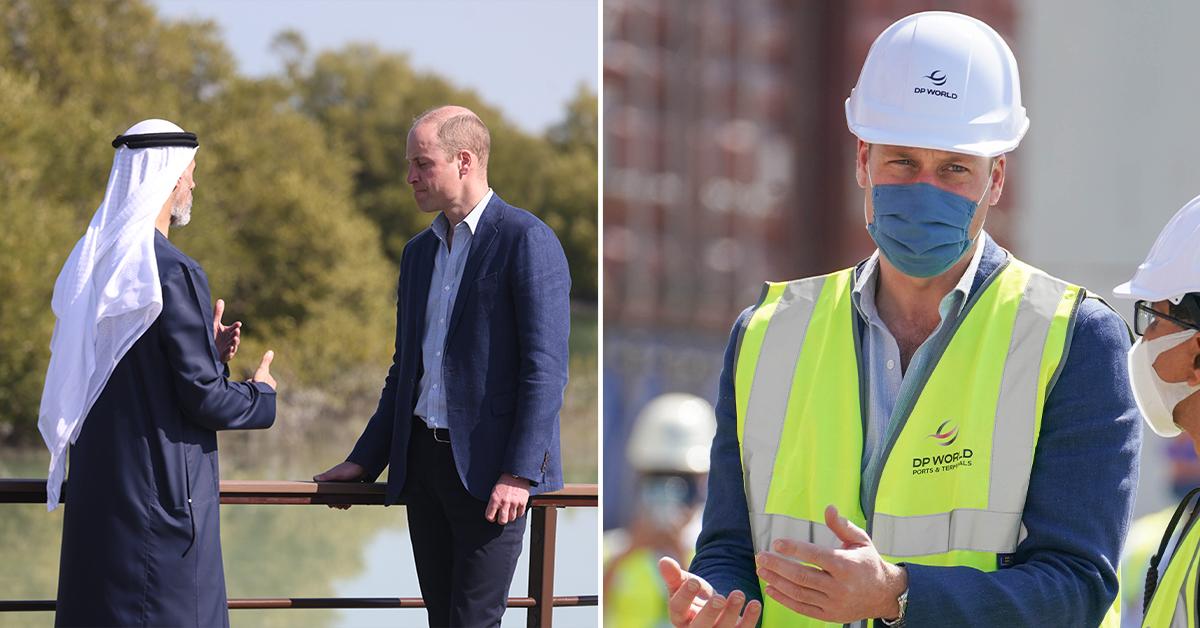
(1157, 398)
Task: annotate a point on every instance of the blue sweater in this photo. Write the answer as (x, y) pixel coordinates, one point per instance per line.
(1077, 510)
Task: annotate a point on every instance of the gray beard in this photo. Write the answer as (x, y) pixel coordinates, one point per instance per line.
(181, 215)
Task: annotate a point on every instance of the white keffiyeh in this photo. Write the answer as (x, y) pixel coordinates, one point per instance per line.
(107, 294)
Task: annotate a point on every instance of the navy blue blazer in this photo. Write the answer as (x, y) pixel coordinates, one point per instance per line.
(505, 362)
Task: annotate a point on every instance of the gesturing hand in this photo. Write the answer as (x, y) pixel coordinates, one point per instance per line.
(263, 374)
(509, 497)
(846, 584)
(227, 337)
(342, 472)
(692, 603)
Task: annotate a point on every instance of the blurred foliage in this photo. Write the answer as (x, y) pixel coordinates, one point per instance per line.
(366, 100)
(301, 208)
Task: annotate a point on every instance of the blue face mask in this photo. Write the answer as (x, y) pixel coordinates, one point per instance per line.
(920, 228)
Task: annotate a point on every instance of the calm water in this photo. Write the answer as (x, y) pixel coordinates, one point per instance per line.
(293, 551)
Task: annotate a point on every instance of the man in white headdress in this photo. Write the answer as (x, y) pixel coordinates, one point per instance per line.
(136, 389)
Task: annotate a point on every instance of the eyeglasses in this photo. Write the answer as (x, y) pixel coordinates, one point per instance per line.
(1145, 315)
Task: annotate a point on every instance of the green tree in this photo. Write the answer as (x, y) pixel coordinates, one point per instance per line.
(574, 190)
(274, 220)
(301, 207)
(366, 100)
(34, 241)
(299, 264)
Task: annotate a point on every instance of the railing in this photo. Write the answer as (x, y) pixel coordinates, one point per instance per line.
(543, 528)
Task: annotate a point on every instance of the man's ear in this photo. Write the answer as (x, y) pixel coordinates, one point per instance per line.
(466, 162)
(1194, 378)
(996, 175)
(861, 154)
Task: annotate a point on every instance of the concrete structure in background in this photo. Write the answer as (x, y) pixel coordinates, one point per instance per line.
(727, 162)
(1112, 90)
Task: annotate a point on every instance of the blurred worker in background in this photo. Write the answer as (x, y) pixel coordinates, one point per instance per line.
(669, 448)
(1164, 369)
(942, 435)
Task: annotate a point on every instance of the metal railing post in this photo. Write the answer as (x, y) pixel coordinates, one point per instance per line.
(542, 535)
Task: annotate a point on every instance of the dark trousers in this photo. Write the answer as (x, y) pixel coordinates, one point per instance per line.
(465, 563)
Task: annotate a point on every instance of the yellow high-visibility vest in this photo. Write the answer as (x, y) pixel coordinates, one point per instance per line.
(1173, 604)
(952, 485)
(1140, 545)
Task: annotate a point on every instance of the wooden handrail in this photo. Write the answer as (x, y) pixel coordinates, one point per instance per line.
(33, 491)
(265, 603)
(543, 527)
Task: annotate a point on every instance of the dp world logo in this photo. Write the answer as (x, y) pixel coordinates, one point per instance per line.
(938, 78)
(946, 433)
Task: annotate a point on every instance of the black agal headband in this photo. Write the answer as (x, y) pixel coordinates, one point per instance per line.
(156, 140)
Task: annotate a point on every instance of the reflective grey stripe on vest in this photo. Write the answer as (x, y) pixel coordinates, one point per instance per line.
(1179, 619)
(769, 391)
(997, 529)
(959, 529)
(768, 528)
(1016, 408)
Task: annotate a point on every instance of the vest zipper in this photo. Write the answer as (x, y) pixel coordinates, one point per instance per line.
(874, 471)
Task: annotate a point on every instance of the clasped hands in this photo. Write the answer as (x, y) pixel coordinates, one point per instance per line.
(840, 585)
(229, 337)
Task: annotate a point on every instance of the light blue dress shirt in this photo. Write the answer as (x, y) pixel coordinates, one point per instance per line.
(887, 382)
(448, 267)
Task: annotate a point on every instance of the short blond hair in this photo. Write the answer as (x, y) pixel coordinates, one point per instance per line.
(458, 128)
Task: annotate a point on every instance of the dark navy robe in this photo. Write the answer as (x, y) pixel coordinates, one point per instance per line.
(141, 539)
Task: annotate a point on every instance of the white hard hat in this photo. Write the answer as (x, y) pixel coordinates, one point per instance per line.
(1172, 269)
(939, 80)
(673, 434)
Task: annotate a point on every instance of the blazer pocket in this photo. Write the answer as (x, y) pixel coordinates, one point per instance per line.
(486, 288)
(505, 403)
